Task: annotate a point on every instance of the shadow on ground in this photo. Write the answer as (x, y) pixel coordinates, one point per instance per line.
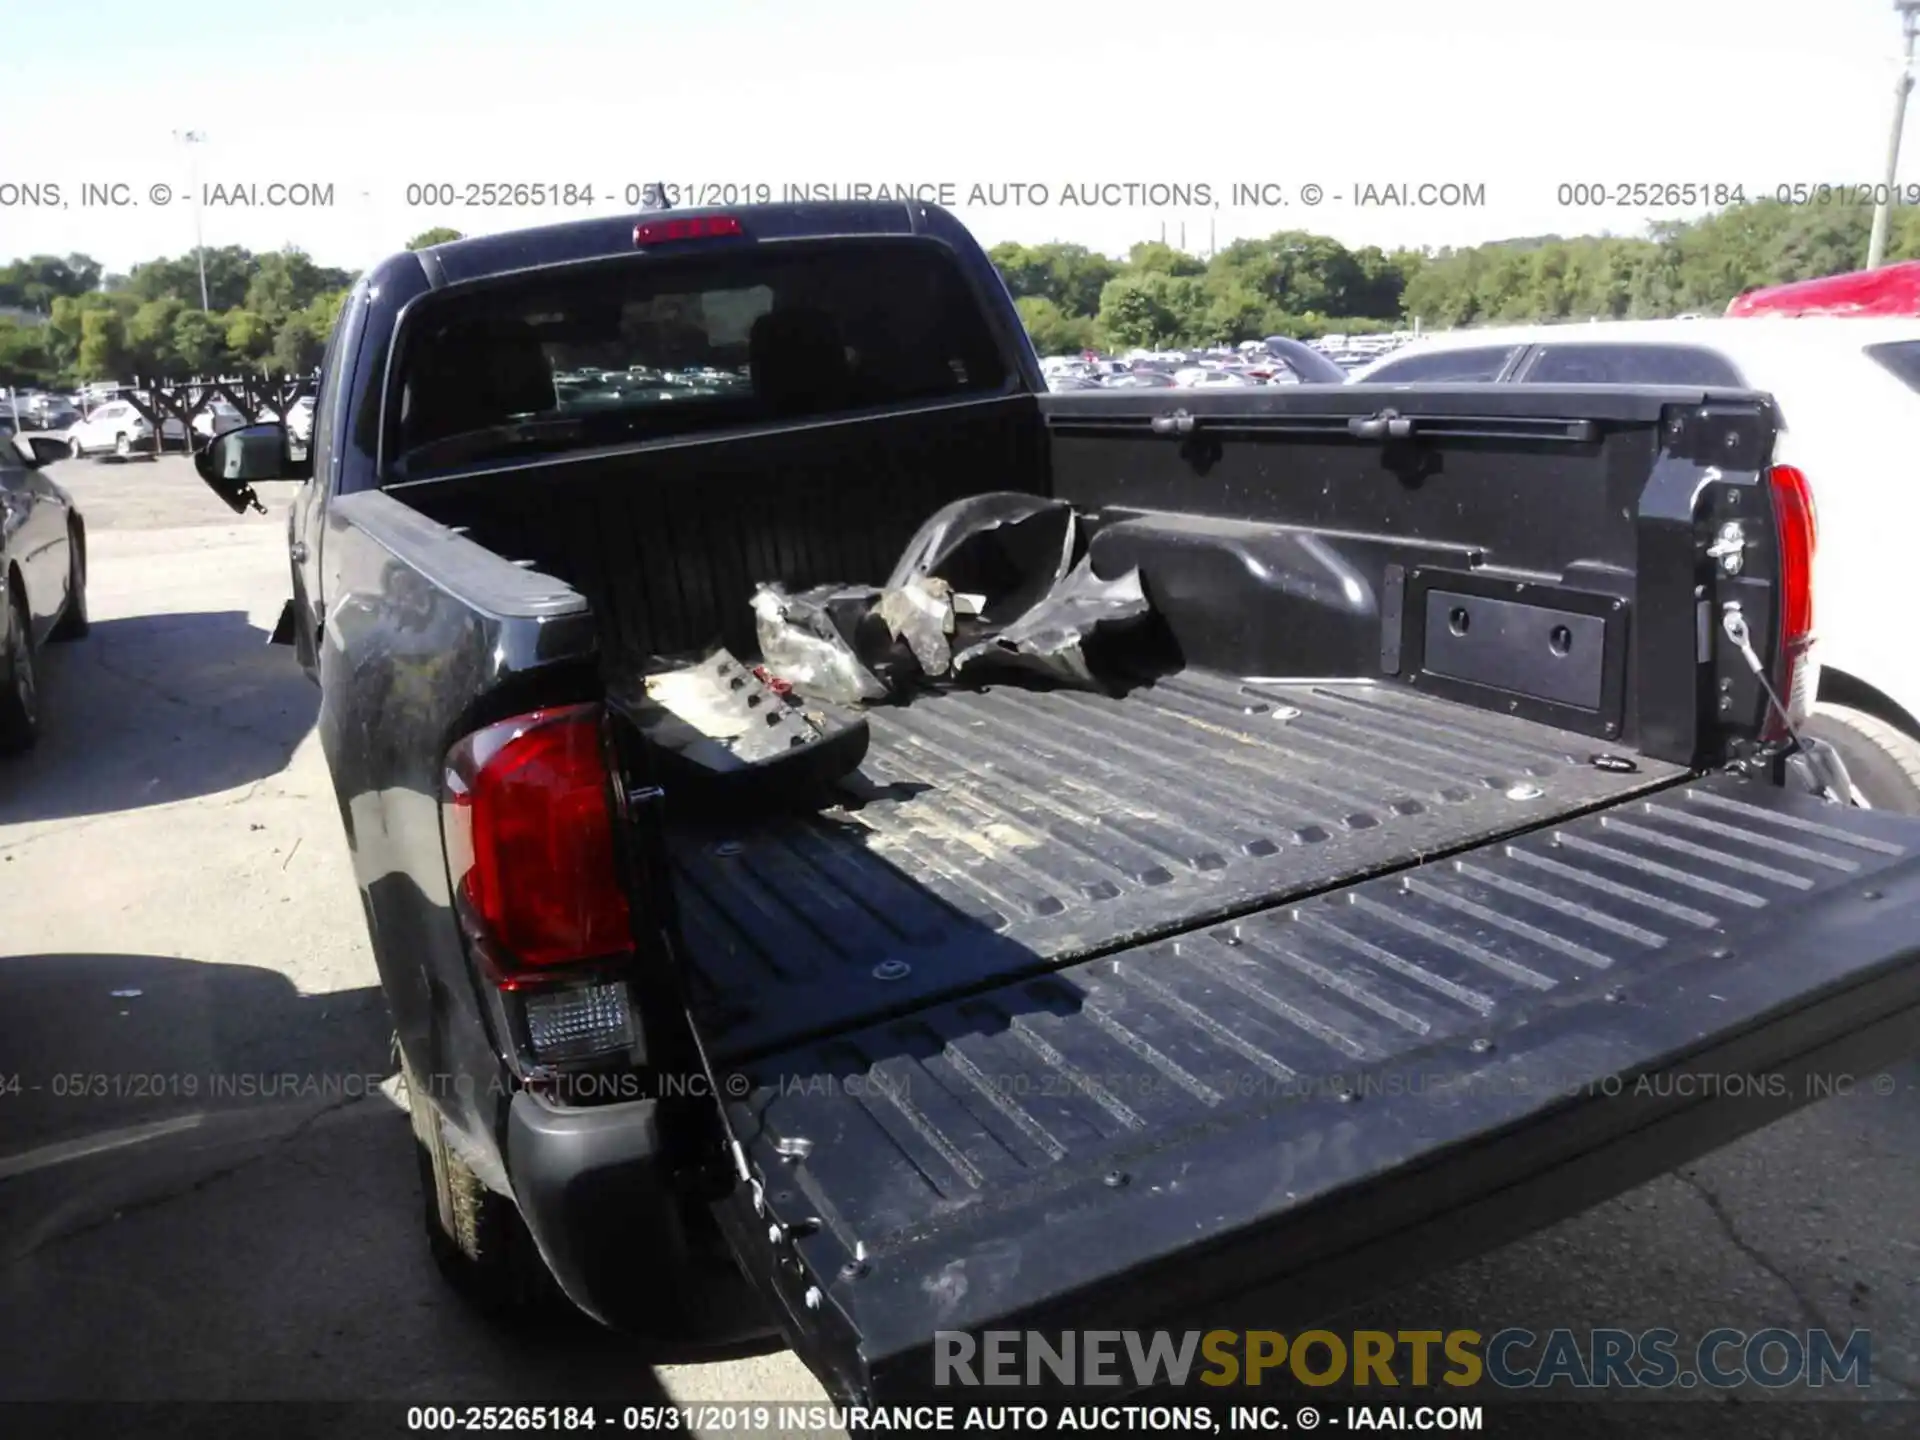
(205, 1194)
(152, 708)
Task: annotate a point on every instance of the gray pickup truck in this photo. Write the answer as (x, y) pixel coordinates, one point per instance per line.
(1448, 789)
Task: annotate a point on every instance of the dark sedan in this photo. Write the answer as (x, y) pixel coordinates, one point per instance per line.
(43, 557)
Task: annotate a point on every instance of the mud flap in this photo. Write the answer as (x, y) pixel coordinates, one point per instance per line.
(283, 628)
(1265, 1120)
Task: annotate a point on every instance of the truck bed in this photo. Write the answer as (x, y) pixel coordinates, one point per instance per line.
(998, 833)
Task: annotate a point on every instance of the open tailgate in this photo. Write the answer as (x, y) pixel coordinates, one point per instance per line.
(1269, 1118)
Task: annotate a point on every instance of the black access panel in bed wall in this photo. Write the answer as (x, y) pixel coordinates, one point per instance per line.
(1543, 652)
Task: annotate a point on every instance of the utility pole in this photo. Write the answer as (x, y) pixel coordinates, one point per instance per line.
(1909, 11)
(199, 137)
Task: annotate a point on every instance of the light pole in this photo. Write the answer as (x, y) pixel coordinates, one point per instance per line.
(1883, 210)
(199, 137)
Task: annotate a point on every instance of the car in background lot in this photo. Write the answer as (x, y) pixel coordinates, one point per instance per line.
(50, 412)
(216, 418)
(1849, 395)
(117, 428)
(299, 415)
(1210, 379)
(43, 568)
(300, 419)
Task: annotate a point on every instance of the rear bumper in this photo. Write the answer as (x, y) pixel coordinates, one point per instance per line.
(593, 1189)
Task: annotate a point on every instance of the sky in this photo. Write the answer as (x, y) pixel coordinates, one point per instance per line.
(1394, 101)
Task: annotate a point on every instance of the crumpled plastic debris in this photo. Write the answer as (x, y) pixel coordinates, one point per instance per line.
(1051, 637)
(807, 640)
(988, 580)
(921, 613)
(1002, 552)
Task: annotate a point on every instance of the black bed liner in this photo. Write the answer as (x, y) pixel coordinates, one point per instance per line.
(1252, 1122)
(997, 833)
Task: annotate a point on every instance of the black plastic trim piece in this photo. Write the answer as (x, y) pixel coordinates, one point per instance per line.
(1604, 720)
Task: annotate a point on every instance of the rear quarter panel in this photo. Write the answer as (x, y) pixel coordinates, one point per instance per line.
(424, 629)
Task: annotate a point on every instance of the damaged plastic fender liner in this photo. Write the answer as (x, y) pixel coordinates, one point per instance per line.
(1050, 636)
(1007, 546)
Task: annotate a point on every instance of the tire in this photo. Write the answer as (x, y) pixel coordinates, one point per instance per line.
(122, 446)
(477, 1239)
(19, 694)
(1882, 762)
(74, 623)
(76, 450)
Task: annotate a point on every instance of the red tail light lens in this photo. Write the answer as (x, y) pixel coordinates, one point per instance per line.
(693, 227)
(1796, 675)
(530, 839)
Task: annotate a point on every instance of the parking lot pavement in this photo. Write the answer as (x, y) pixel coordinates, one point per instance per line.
(184, 1215)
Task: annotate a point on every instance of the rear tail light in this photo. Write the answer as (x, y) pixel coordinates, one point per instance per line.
(692, 227)
(530, 839)
(1796, 672)
(530, 853)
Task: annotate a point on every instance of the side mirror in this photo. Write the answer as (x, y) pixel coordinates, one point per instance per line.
(231, 462)
(38, 450)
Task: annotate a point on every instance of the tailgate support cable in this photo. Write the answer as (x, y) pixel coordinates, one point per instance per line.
(1837, 788)
(741, 1169)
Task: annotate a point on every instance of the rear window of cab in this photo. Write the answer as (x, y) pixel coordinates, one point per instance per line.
(640, 349)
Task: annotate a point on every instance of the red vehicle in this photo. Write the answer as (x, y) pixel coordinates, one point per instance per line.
(1890, 290)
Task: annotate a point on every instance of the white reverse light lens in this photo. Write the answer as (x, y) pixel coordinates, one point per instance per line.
(579, 1023)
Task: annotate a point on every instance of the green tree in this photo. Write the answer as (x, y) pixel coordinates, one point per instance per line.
(64, 324)
(288, 281)
(1159, 257)
(199, 342)
(438, 235)
(1153, 309)
(24, 357)
(1071, 276)
(324, 310)
(230, 269)
(296, 347)
(102, 352)
(249, 337)
(149, 332)
(1376, 283)
(1052, 330)
(36, 282)
(1236, 311)
(1903, 235)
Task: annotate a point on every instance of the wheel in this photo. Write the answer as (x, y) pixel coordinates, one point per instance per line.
(477, 1238)
(19, 699)
(1882, 762)
(74, 623)
(76, 449)
(122, 446)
